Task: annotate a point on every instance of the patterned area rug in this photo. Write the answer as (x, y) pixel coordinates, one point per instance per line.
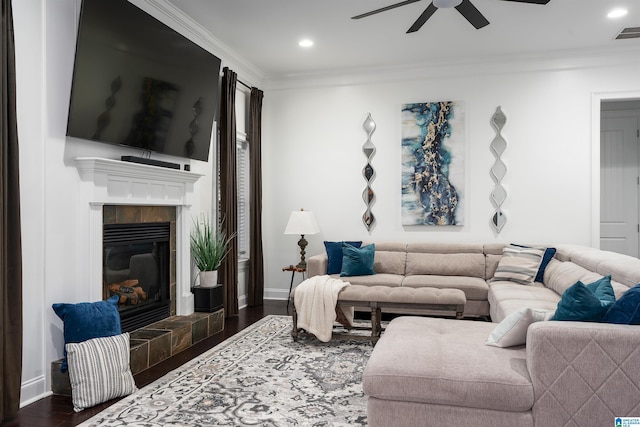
(259, 377)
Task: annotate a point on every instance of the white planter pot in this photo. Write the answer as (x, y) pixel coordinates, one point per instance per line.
(209, 279)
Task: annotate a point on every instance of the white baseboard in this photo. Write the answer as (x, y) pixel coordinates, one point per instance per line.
(33, 390)
(276, 294)
(242, 301)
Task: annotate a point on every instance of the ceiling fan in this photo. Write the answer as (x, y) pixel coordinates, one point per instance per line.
(465, 7)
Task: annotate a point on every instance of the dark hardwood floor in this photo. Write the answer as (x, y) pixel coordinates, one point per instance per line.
(57, 411)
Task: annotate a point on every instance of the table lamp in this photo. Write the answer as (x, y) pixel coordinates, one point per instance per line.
(302, 222)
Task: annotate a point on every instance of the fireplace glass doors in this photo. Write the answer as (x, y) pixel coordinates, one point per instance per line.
(136, 267)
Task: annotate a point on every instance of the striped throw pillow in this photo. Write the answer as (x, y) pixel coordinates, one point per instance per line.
(99, 370)
(518, 264)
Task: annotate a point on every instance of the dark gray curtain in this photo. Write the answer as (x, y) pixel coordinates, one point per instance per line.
(11, 250)
(256, 266)
(229, 188)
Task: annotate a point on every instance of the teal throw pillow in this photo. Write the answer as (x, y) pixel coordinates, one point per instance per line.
(357, 261)
(583, 303)
(604, 291)
(86, 320)
(625, 311)
(334, 255)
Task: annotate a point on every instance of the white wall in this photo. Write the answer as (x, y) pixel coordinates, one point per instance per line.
(55, 222)
(31, 112)
(312, 154)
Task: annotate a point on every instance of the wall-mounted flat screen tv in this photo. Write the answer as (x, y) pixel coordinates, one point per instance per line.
(139, 83)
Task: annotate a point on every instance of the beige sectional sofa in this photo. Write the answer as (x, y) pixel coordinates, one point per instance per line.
(435, 371)
(436, 265)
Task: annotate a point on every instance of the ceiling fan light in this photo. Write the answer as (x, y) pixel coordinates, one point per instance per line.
(440, 4)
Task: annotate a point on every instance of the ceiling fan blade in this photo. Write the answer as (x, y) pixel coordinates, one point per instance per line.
(531, 1)
(473, 15)
(430, 10)
(384, 9)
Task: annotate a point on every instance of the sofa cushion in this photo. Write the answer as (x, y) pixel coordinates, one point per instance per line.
(568, 250)
(502, 291)
(357, 261)
(503, 308)
(512, 330)
(445, 248)
(491, 265)
(334, 255)
(474, 288)
(445, 362)
(626, 310)
(519, 264)
(460, 264)
(391, 262)
(623, 269)
(559, 276)
(493, 248)
(506, 297)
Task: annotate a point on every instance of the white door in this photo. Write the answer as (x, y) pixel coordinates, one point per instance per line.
(619, 172)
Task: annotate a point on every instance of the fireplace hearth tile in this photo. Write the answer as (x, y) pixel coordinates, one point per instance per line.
(159, 343)
(180, 332)
(199, 326)
(139, 355)
(216, 322)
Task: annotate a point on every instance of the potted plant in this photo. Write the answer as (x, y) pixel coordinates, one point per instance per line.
(209, 246)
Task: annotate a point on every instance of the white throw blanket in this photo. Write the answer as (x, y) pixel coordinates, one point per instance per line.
(315, 301)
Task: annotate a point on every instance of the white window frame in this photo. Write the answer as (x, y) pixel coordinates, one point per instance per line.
(244, 202)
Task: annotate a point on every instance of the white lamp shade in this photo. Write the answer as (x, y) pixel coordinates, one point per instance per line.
(302, 222)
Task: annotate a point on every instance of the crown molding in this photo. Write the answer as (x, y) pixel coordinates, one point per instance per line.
(185, 25)
(562, 60)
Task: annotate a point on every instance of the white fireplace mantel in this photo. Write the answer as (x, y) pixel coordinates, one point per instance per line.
(115, 182)
(108, 181)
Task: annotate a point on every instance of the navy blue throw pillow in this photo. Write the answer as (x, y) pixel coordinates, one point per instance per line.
(626, 310)
(334, 255)
(86, 320)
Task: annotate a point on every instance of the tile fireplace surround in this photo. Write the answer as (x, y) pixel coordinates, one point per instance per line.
(134, 214)
(121, 192)
(107, 182)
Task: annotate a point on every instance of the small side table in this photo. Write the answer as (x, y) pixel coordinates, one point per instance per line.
(293, 269)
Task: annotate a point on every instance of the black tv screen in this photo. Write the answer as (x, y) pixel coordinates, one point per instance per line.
(137, 82)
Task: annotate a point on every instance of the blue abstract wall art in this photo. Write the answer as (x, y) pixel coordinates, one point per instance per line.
(433, 154)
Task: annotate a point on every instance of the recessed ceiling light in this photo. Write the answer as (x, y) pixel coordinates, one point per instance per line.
(305, 43)
(617, 13)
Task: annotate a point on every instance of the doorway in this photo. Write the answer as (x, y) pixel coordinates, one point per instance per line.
(619, 223)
